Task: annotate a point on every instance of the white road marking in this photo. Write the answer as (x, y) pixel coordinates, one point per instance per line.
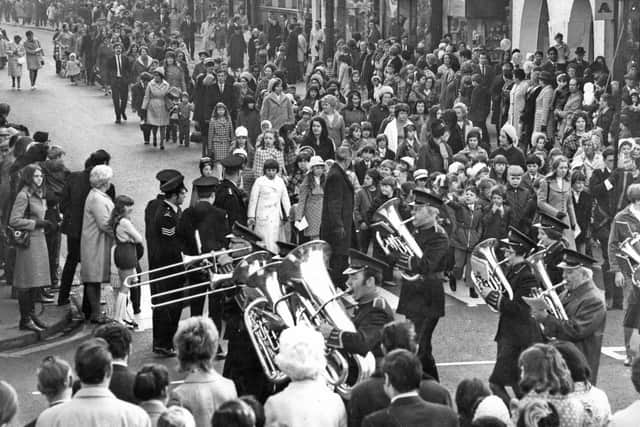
(614, 352)
(84, 332)
(469, 363)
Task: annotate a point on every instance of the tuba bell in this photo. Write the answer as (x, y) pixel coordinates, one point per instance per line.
(549, 289)
(392, 234)
(629, 252)
(486, 270)
(305, 269)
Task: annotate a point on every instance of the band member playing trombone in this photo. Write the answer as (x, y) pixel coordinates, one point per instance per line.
(626, 224)
(165, 250)
(372, 312)
(212, 229)
(585, 308)
(517, 330)
(422, 300)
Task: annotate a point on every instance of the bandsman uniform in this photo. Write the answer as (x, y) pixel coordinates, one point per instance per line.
(166, 250)
(586, 313)
(370, 315)
(517, 330)
(554, 252)
(229, 197)
(422, 300)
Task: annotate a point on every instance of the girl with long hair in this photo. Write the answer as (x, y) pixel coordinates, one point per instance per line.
(127, 253)
(220, 132)
(555, 198)
(269, 147)
(311, 196)
(318, 139)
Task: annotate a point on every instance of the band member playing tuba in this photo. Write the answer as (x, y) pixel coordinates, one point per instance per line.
(422, 300)
(550, 230)
(516, 329)
(372, 312)
(585, 308)
(626, 224)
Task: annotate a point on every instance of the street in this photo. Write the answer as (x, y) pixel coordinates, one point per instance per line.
(81, 120)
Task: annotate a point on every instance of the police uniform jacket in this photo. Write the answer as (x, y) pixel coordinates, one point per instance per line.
(149, 214)
(370, 317)
(232, 200)
(165, 249)
(211, 224)
(604, 203)
(587, 313)
(425, 296)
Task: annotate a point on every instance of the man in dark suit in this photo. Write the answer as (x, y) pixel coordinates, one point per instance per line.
(480, 107)
(119, 69)
(516, 328)
(604, 210)
(406, 51)
(402, 374)
(365, 163)
(118, 338)
(372, 311)
(211, 225)
(188, 30)
(336, 224)
(422, 300)
(487, 71)
(224, 91)
(165, 250)
(229, 196)
(368, 396)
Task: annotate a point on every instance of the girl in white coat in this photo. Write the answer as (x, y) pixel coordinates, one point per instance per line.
(269, 205)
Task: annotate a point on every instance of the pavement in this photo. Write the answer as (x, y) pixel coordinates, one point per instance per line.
(81, 120)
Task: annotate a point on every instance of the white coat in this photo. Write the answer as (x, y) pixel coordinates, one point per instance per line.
(268, 204)
(391, 130)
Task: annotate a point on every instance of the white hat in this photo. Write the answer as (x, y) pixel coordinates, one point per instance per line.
(493, 406)
(410, 161)
(240, 152)
(420, 174)
(242, 131)
(475, 169)
(511, 133)
(316, 161)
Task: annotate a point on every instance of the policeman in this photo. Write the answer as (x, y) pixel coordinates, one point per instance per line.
(585, 308)
(422, 300)
(211, 225)
(550, 230)
(230, 197)
(517, 330)
(165, 250)
(372, 311)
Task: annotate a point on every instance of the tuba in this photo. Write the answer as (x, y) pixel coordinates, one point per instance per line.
(305, 270)
(629, 252)
(549, 292)
(486, 270)
(392, 234)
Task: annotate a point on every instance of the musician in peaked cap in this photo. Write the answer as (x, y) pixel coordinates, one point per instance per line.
(372, 312)
(626, 224)
(422, 300)
(585, 307)
(230, 197)
(165, 250)
(550, 238)
(212, 227)
(517, 330)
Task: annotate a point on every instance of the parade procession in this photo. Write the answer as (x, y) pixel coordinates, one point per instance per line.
(320, 213)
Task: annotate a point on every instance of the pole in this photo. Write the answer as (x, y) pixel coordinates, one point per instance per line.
(329, 30)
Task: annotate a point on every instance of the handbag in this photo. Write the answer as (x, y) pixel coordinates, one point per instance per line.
(21, 60)
(19, 238)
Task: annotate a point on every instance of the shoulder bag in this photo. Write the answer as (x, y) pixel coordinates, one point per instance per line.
(19, 238)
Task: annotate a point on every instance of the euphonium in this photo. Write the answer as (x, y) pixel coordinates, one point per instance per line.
(396, 237)
(306, 268)
(549, 289)
(629, 252)
(486, 270)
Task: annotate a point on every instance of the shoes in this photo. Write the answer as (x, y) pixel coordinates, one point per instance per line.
(473, 293)
(124, 117)
(29, 326)
(155, 143)
(166, 352)
(146, 143)
(118, 121)
(39, 323)
(221, 354)
(44, 300)
(453, 283)
(628, 360)
(62, 302)
(47, 294)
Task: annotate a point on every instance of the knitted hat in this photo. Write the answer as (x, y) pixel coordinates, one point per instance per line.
(510, 131)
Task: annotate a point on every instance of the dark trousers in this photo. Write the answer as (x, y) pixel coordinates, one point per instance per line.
(337, 264)
(191, 44)
(69, 269)
(165, 319)
(53, 247)
(184, 126)
(424, 329)
(204, 136)
(120, 96)
(611, 291)
(91, 300)
(33, 76)
(26, 303)
(364, 239)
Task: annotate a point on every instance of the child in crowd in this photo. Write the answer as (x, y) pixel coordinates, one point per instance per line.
(74, 67)
(472, 149)
(302, 127)
(184, 119)
(367, 136)
(499, 169)
(497, 217)
(538, 145)
(364, 199)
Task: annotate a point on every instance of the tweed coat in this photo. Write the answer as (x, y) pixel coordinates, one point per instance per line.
(310, 206)
(97, 238)
(30, 270)
(155, 103)
(543, 108)
(554, 198)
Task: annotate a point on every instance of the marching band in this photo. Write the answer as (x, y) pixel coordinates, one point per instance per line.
(541, 290)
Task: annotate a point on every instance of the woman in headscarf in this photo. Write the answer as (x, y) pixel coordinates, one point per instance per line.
(276, 106)
(154, 103)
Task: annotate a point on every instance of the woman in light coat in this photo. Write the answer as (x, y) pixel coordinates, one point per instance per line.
(16, 59)
(554, 197)
(306, 401)
(96, 240)
(543, 103)
(311, 196)
(155, 104)
(31, 269)
(34, 54)
(269, 205)
(517, 99)
(276, 106)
